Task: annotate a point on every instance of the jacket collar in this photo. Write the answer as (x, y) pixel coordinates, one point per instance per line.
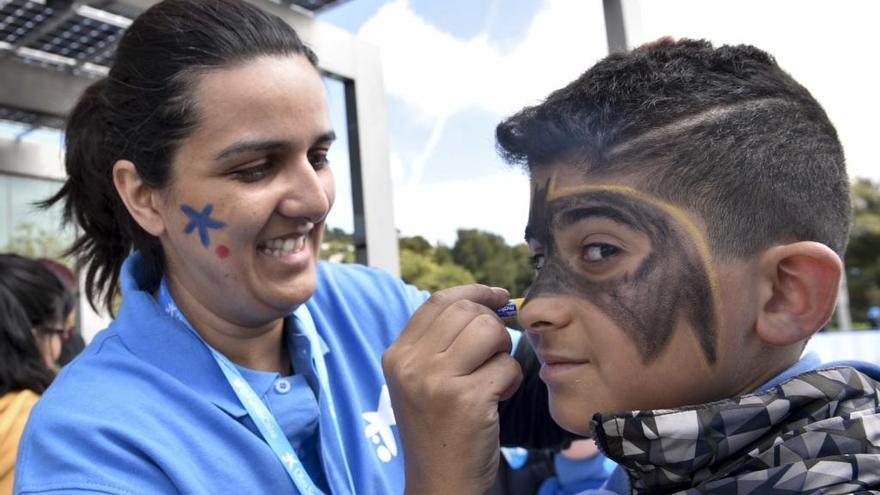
(670, 450)
(153, 336)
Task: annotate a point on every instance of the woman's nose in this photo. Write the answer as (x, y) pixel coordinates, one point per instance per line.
(306, 194)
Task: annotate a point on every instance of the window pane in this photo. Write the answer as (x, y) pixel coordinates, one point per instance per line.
(39, 135)
(338, 242)
(24, 228)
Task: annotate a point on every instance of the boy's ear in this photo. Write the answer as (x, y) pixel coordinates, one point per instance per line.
(798, 291)
(138, 197)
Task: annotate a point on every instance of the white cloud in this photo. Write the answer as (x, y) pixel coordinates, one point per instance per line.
(498, 204)
(825, 45)
(397, 170)
(417, 168)
(439, 74)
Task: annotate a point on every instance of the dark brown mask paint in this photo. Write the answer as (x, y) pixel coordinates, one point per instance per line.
(673, 281)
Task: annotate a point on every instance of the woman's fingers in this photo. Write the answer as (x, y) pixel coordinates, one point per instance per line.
(496, 380)
(427, 318)
(446, 374)
(481, 339)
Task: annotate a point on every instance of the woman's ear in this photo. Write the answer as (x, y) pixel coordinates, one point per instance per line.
(140, 199)
(801, 281)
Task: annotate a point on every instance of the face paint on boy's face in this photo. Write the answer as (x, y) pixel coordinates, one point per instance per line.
(670, 281)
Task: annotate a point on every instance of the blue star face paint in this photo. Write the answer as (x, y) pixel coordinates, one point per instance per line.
(202, 221)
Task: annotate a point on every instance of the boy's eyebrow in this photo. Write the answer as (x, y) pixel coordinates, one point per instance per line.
(577, 214)
(530, 234)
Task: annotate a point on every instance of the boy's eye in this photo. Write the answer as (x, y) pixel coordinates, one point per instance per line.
(254, 173)
(537, 261)
(594, 253)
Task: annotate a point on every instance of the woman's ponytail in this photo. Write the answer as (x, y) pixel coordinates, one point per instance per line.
(90, 198)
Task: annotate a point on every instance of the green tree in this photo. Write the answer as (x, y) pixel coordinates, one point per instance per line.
(421, 270)
(28, 240)
(492, 261)
(443, 255)
(337, 246)
(863, 252)
(525, 270)
(477, 256)
(417, 244)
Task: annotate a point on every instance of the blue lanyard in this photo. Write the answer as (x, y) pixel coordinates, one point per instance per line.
(257, 410)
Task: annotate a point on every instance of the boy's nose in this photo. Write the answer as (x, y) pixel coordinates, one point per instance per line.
(544, 313)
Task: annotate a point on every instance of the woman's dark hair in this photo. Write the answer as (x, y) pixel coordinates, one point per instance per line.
(21, 364)
(141, 112)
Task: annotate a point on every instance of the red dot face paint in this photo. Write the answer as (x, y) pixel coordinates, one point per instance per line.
(222, 251)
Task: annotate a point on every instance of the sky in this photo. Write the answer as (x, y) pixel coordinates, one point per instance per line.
(453, 69)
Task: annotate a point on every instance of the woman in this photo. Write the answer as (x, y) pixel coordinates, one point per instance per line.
(236, 363)
(29, 343)
(73, 342)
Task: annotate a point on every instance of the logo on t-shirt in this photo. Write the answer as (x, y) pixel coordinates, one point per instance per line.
(378, 428)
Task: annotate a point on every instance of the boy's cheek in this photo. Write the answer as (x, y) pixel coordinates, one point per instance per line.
(573, 411)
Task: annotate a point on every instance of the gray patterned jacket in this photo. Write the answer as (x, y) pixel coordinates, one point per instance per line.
(818, 432)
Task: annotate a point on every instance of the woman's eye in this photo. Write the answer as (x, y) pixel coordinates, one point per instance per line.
(594, 253)
(319, 160)
(254, 173)
(538, 261)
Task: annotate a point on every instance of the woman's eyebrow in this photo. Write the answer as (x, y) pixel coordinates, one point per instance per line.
(253, 145)
(268, 145)
(326, 138)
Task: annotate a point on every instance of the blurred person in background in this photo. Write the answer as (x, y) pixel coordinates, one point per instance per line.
(73, 342)
(24, 375)
(874, 316)
(44, 298)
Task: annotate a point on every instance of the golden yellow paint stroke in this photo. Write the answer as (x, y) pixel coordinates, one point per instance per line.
(674, 211)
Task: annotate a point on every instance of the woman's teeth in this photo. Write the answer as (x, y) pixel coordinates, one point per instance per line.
(282, 247)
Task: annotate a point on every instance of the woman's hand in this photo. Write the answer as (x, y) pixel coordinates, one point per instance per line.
(446, 374)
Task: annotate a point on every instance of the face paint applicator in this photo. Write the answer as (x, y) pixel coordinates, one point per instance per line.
(510, 308)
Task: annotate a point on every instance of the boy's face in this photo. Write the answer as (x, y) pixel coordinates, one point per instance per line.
(628, 309)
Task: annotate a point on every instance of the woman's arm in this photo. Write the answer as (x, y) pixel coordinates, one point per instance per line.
(446, 374)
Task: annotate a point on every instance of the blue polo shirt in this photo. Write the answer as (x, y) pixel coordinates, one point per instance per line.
(145, 408)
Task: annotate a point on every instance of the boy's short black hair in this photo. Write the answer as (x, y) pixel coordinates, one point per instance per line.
(723, 131)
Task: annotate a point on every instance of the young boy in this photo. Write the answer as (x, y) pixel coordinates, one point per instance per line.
(689, 213)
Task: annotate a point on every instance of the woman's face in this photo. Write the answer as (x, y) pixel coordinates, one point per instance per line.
(250, 190)
(49, 339)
